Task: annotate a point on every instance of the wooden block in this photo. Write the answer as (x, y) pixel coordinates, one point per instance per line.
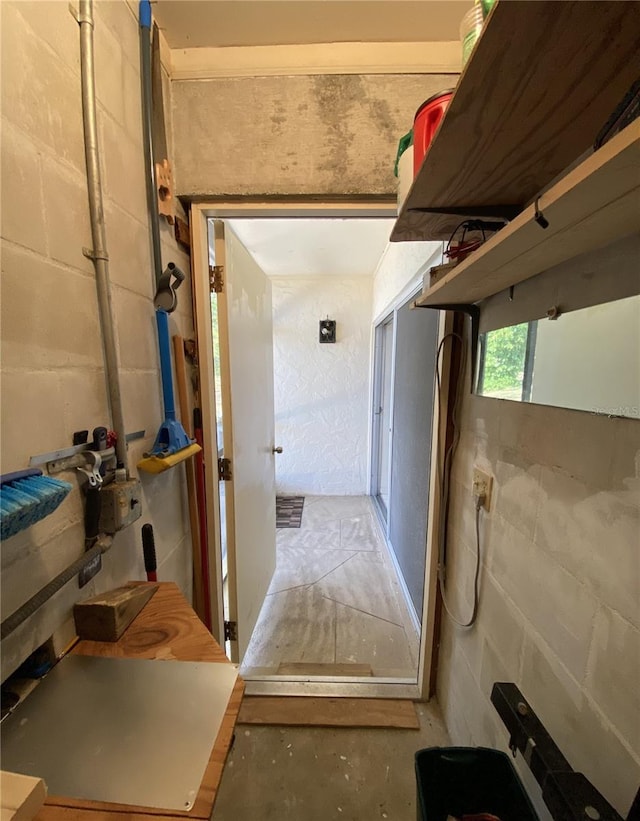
(106, 616)
(301, 668)
(21, 796)
(303, 711)
(182, 233)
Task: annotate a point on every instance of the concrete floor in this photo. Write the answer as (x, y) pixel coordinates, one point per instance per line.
(335, 596)
(322, 774)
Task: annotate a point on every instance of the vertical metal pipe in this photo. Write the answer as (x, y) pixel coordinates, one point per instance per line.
(98, 233)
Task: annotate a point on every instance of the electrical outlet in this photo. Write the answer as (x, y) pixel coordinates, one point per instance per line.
(482, 485)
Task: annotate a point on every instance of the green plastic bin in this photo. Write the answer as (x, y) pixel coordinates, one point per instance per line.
(461, 781)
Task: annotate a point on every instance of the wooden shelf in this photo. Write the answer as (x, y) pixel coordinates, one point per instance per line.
(540, 84)
(592, 206)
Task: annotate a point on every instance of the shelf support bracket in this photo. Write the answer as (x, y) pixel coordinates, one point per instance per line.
(505, 212)
(470, 310)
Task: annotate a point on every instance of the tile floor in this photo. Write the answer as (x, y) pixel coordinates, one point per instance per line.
(335, 597)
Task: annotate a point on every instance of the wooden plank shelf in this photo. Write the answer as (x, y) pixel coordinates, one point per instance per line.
(542, 80)
(592, 206)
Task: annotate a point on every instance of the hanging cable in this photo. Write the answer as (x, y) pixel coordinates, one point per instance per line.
(444, 479)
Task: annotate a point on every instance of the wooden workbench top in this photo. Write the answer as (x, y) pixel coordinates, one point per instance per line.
(167, 628)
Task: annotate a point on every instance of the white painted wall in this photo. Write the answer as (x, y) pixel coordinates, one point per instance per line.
(52, 365)
(400, 269)
(559, 608)
(321, 390)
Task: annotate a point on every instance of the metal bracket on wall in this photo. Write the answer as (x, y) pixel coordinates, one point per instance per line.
(474, 312)
(568, 794)
(224, 470)
(216, 279)
(231, 631)
(507, 212)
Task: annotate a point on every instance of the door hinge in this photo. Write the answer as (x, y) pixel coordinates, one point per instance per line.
(231, 631)
(224, 470)
(216, 279)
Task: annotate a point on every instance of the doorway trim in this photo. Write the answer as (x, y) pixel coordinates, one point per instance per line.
(200, 213)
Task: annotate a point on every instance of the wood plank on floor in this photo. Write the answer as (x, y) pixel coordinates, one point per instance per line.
(305, 711)
(301, 668)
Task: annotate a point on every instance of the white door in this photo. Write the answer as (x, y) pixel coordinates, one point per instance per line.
(246, 366)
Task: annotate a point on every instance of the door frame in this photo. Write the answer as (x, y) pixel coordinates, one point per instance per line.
(200, 213)
(375, 421)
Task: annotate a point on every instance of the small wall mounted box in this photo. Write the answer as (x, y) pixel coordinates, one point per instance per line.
(327, 331)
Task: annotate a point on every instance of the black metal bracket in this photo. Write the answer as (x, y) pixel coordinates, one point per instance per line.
(538, 216)
(505, 212)
(568, 794)
(474, 312)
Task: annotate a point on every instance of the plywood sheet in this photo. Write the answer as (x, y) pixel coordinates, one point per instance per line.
(329, 712)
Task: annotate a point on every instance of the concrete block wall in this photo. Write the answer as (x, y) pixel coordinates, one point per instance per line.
(329, 135)
(321, 391)
(559, 610)
(52, 365)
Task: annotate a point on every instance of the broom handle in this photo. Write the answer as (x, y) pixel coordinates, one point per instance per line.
(162, 321)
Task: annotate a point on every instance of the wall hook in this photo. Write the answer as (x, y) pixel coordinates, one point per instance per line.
(538, 216)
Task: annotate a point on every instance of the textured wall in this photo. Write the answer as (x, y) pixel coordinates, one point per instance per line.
(326, 134)
(559, 611)
(400, 265)
(321, 390)
(52, 365)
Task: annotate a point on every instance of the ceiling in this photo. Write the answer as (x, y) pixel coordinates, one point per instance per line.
(314, 247)
(196, 24)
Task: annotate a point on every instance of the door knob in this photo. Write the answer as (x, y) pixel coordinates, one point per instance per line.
(277, 450)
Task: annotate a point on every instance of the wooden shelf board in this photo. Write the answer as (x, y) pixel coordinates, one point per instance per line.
(541, 82)
(595, 204)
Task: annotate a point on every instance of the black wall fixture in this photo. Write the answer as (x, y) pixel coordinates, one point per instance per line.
(327, 330)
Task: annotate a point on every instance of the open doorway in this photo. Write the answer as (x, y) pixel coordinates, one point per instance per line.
(335, 610)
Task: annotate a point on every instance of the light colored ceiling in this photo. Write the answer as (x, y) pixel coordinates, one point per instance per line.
(197, 24)
(314, 247)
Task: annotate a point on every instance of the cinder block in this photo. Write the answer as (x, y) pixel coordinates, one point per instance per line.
(503, 623)
(31, 417)
(129, 252)
(614, 674)
(121, 18)
(137, 335)
(49, 315)
(54, 24)
(578, 727)
(36, 630)
(123, 168)
(22, 205)
(43, 97)
(595, 535)
(32, 571)
(177, 567)
(163, 501)
(109, 72)
(142, 400)
(555, 602)
(555, 437)
(132, 99)
(86, 404)
(516, 491)
(66, 214)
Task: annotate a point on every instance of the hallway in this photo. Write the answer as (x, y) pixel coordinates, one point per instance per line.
(334, 599)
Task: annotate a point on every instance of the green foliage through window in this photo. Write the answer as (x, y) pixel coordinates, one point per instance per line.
(504, 360)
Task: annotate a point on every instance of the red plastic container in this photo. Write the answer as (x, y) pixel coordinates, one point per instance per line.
(426, 122)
